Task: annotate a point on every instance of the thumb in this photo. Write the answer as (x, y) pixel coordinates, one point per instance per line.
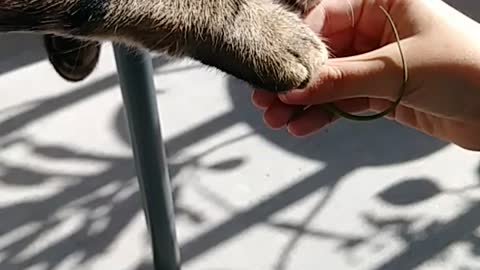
(376, 74)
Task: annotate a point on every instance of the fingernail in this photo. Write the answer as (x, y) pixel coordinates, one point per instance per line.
(284, 96)
(292, 91)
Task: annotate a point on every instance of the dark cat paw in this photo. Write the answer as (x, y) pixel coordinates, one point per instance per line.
(73, 59)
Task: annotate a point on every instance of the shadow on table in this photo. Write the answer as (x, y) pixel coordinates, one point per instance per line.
(345, 147)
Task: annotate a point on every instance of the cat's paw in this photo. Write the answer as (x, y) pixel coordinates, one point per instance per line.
(288, 55)
(73, 59)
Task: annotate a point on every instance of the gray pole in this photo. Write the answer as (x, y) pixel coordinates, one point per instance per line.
(136, 82)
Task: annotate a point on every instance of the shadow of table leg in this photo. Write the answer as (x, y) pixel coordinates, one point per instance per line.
(136, 82)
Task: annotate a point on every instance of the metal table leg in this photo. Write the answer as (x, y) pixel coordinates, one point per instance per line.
(136, 81)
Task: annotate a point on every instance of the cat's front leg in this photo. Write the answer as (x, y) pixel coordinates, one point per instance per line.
(259, 42)
(254, 40)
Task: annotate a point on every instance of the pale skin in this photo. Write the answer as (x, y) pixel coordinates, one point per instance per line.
(442, 50)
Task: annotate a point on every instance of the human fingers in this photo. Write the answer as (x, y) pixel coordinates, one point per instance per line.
(262, 99)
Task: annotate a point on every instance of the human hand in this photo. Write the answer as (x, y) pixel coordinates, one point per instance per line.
(441, 47)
